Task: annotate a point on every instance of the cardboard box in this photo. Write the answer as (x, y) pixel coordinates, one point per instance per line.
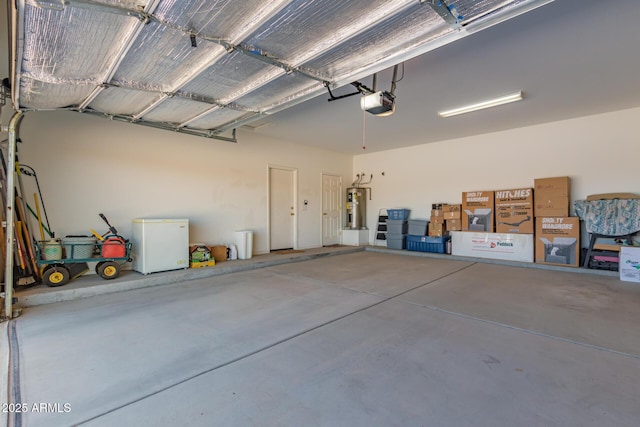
(551, 205)
(551, 196)
(453, 224)
(558, 241)
(219, 253)
(436, 220)
(506, 246)
(199, 252)
(559, 186)
(452, 209)
(514, 211)
(452, 215)
(437, 230)
(478, 211)
(629, 264)
(436, 212)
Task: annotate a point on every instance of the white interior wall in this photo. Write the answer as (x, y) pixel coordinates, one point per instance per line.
(88, 165)
(600, 153)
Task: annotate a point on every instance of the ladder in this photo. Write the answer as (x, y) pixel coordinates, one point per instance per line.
(381, 229)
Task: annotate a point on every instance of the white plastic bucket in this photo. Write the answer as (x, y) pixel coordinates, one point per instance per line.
(244, 241)
(52, 250)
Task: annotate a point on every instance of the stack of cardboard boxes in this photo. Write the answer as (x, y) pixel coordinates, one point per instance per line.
(557, 234)
(522, 224)
(452, 217)
(496, 224)
(437, 226)
(444, 218)
(505, 223)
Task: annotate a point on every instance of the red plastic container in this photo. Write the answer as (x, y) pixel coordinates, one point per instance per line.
(113, 247)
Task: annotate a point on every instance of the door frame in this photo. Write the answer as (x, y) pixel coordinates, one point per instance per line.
(340, 205)
(295, 202)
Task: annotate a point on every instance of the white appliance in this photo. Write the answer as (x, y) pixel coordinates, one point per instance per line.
(160, 244)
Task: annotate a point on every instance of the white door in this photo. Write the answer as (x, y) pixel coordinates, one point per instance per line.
(281, 209)
(331, 209)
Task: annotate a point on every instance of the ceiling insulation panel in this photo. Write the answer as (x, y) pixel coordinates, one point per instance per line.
(231, 77)
(213, 64)
(176, 111)
(415, 26)
(225, 19)
(162, 57)
(306, 28)
(39, 95)
(122, 101)
(67, 47)
(218, 118)
(283, 89)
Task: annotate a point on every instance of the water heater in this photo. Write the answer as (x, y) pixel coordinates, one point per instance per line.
(357, 208)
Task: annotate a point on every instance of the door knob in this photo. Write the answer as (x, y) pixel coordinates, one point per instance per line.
(292, 214)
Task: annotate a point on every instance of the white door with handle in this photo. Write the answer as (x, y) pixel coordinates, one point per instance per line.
(331, 209)
(281, 209)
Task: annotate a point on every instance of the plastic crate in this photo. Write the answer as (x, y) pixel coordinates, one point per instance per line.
(427, 244)
(396, 242)
(398, 214)
(418, 227)
(397, 227)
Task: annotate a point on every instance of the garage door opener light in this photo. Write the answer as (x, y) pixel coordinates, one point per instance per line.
(517, 96)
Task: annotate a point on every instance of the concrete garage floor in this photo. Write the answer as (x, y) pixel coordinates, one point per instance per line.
(360, 339)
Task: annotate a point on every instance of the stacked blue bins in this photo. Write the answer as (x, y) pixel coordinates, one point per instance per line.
(397, 227)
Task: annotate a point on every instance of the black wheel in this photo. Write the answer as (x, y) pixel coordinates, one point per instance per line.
(55, 276)
(108, 270)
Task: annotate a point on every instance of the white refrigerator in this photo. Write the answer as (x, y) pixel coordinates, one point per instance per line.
(160, 244)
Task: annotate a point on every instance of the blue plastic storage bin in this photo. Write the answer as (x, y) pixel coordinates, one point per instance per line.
(427, 244)
(401, 214)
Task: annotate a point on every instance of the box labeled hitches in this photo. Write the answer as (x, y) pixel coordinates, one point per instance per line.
(478, 211)
(514, 211)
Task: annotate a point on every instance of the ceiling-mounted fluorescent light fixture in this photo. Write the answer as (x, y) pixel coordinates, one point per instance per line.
(513, 97)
